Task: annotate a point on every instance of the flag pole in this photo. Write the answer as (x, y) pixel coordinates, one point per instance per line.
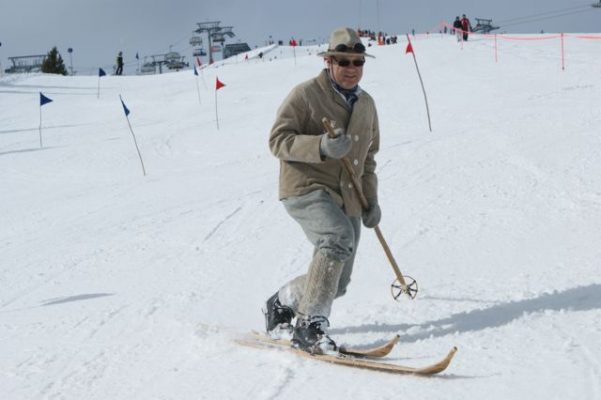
(137, 148)
(202, 75)
(197, 87)
(126, 110)
(216, 113)
(410, 50)
(41, 145)
(218, 85)
(101, 73)
(43, 100)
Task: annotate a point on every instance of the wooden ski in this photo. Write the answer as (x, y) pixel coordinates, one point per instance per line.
(351, 361)
(369, 352)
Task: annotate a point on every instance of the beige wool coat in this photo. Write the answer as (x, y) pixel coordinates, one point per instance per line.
(295, 139)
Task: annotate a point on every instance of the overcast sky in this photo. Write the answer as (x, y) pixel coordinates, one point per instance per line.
(97, 30)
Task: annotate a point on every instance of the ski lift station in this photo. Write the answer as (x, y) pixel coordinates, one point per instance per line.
(172, 61)
(233, 49)
(26, 64)
(484, 25)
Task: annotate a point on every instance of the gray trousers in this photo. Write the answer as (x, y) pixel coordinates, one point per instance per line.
(335, 237)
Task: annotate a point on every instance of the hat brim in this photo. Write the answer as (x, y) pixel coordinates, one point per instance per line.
(342, 54)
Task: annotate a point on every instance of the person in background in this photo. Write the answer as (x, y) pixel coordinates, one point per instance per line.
(119, 69)
(466, 26)
(457, 28)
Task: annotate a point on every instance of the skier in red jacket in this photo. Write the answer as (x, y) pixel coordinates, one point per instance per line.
(466, 26)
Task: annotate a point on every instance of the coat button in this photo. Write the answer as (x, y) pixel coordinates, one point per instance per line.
(356, 138)
(356, 162)
(350, 185)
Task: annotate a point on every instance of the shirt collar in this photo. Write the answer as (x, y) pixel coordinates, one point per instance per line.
(350, 96)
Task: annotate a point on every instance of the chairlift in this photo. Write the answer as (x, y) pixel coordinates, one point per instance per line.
(174, 60)
(198, 52)
(195, 41)
(148, 68)
(172, 56)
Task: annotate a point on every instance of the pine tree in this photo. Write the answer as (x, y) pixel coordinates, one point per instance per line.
(53, 63)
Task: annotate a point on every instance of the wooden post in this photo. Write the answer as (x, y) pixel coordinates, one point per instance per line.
(563, 59)
(496, 50)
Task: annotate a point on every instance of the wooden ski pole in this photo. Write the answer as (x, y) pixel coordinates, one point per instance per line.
(364, 203)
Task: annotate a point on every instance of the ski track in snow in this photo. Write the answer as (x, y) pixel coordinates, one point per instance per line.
(224, 220)
(586, 356)
(594, 371)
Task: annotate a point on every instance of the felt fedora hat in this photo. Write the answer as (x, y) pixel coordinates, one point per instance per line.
(345, 42)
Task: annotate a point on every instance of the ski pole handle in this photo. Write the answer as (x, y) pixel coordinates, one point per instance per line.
(347, 166)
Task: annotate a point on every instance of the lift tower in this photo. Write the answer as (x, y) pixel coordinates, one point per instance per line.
(215, 33)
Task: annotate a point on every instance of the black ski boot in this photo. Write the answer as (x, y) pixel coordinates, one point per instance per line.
(310, 335)
(278, 317)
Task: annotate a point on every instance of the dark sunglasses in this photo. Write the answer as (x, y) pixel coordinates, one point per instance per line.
(345, 63)
(357, 48)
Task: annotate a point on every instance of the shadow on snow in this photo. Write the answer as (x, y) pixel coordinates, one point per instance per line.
(80, 297)
(582, 298)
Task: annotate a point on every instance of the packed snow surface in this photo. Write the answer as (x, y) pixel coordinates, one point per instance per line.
(116, 285)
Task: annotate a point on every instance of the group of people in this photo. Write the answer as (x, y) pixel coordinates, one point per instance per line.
(462, 28)
(381, 37)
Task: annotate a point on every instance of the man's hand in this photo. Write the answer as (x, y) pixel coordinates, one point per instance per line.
(372, 216)
(336, 147)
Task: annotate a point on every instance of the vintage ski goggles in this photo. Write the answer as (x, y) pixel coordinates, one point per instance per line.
(346, 62)
(357, 48)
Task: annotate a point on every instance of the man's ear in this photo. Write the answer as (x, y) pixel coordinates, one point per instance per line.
(328, 61)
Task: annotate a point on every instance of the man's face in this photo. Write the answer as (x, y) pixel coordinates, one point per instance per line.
(345, 71)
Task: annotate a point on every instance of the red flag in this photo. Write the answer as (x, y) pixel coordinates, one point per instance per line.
(409, 48)
(218, 84)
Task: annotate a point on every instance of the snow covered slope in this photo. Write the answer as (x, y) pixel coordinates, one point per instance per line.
(119, 286)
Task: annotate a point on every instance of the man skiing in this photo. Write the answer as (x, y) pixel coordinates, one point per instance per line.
(317, 192)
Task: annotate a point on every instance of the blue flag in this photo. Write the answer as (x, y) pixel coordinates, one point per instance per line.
(195, 71)
(44, 99)
(101, 72)
(125, 109)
